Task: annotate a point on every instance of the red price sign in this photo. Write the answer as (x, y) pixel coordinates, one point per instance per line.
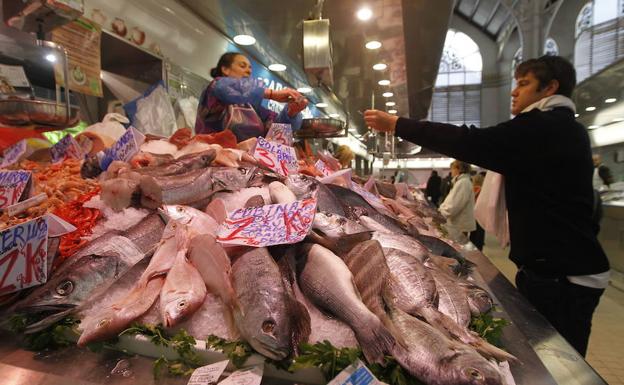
(12, 186)
(276, 157)
(23, 256)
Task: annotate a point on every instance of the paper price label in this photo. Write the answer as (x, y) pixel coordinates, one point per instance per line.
(355, 374)
(247, 376)
(124, 148)
(14, 75)
(66, 148)
(23, 255)
(322, 167)
(280, 133)
(268, 225)
(209, 374)
(12, 186)
(276, 157)
(12, 154)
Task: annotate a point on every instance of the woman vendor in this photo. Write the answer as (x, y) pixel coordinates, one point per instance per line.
(232, 84)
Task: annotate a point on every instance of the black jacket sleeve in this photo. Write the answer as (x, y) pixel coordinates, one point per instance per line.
(496, 148)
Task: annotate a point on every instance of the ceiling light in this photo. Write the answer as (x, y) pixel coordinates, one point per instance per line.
(387, 94)
(593, 126)
(611, 100)
(590, 108)
(390, 104)
(51, 57)
(277, 67)
(384, 82)
(380, 66)
(304, 90)
(373, 44)
(334, 115)
(244, 40)
(364, 14)
(392, 111)
(321, 105)
(618, 120)
(576, 115)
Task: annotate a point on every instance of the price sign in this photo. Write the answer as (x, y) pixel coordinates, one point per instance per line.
(280, 133)
(12, 154)
(246, 376)
(322, 167)
(12, 186)
(124, 148)
(355, 374)
(66, 148)
(23, 255)
(276, 157)
(209, 374)
(268, 225)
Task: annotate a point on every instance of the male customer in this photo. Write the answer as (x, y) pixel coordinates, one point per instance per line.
(433, 187)
(562, 269)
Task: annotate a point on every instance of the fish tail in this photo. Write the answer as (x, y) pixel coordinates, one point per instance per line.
(490, 351)
(229, 315)
(376, 341)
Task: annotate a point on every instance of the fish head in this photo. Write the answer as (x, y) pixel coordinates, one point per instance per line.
(335, 226)
(269, 333)
(301, 185)
(197, 220)
(231, 178)
(479, 300)
(467, 367)
(178, 306)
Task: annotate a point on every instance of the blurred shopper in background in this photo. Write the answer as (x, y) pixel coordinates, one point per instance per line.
(445, 186)
(477, 237)
(603, 177)
(433, 187)
(458, 206)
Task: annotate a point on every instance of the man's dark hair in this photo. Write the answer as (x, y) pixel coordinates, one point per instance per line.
(434, 172)
(548, 68)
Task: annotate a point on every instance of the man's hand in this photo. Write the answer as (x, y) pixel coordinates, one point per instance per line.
(380, 121)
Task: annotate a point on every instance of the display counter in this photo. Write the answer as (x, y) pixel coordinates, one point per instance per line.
(546, 357)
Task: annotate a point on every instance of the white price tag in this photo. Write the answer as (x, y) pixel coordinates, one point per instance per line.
(247, 376)
(14, 75)
(355, 374)
(209, 374)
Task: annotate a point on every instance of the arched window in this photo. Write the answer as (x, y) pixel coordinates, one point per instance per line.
(599, 34)
(457, 93)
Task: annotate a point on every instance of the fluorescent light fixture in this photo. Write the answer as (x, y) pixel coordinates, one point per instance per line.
(576, 115)
(321, 105)
(277, 67)
(364, 13)
(334, 115)
(304, 90)
(51, 57)
(593, 126)
(244, 40)
(387, 94)
(392, 111)
(590, 108)
(384, 82)
(390, 104)
(373, 44)
(380, 66)
(611, 100)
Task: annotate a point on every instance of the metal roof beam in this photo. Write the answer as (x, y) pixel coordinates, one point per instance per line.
(494, 10)
(474, 9)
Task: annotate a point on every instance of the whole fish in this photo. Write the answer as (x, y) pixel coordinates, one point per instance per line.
(184, 289)
(435, 359)
(335, 226)
(269, 319)
(305, 187)
(440, 247)
(196, 220)
(326, 280)
(181, 165)
(479, 299)
(453, 300)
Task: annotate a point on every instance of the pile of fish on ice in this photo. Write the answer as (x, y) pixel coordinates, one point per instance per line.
(375, 275)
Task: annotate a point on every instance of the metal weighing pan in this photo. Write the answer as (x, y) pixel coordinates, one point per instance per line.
(24, 112)
(321, 128)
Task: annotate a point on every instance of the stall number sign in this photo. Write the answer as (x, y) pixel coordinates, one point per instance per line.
(268, 225)
(124, 148)
(12, 154)
(66, 148)
(276, 157)
(12, 186)
(322, 167)
(23, 255)
(280, 133)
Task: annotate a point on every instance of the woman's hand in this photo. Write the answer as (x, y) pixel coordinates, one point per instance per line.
(380, 121)
(283, 96)
(296, 106)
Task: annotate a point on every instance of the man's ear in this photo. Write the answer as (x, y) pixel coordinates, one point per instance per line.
(552, 87)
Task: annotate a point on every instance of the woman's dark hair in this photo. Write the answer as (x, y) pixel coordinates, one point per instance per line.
(226, 61)
(548, 68)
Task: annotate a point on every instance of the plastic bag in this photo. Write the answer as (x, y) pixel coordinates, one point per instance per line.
(152, 113)
(186, 111)
(243, 121)
(491, 208)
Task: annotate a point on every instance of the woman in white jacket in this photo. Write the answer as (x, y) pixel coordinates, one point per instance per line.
(458, 206)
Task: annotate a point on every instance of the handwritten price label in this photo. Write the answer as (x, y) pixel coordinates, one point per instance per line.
(268, 225)
(276, 157)
(23, 255)
(322, 167)
(66, 148)
(12, 186)
(124, 148)
(13, 154)
(280, 133)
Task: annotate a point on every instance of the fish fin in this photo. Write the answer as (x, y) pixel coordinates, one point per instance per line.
(342, 245)
(302, 326)
(376, 341)
(230, 322)
(490, 351)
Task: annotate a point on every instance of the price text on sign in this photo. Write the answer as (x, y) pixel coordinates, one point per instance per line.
(274, 156)
(280, 133)
(322, 167)
(23, 255)
(66, 148)
(269, 225)
(12, 154)
(12, 186)
(124, 148)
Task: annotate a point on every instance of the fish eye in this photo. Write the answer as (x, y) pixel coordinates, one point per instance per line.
(180, 209)
(268, 326)
(182, 304)
(103, 322)
(474, 374)
(65, 288)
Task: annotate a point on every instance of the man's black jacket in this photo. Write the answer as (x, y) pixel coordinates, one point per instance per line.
(545, 157)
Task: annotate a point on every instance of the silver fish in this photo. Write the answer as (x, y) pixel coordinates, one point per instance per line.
(196, 220)
(270, 319)
(181, 165)
(326, 280)
(305, 187)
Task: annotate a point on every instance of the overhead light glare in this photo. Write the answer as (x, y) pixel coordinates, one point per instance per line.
(380, 66)
(387, 94)
(373, 44)
(590, 108)
(51, 58)
(321, 105)
(304, 90)
(277, 67)
(618, 120)
(244, 40)
(334, 115)
(384, 82)
(390, 104)
(611, 100)
(364, 14)
(593, 126)
(576, 115)
(392, 111)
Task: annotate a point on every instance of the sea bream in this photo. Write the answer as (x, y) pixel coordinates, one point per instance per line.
(305, 187)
